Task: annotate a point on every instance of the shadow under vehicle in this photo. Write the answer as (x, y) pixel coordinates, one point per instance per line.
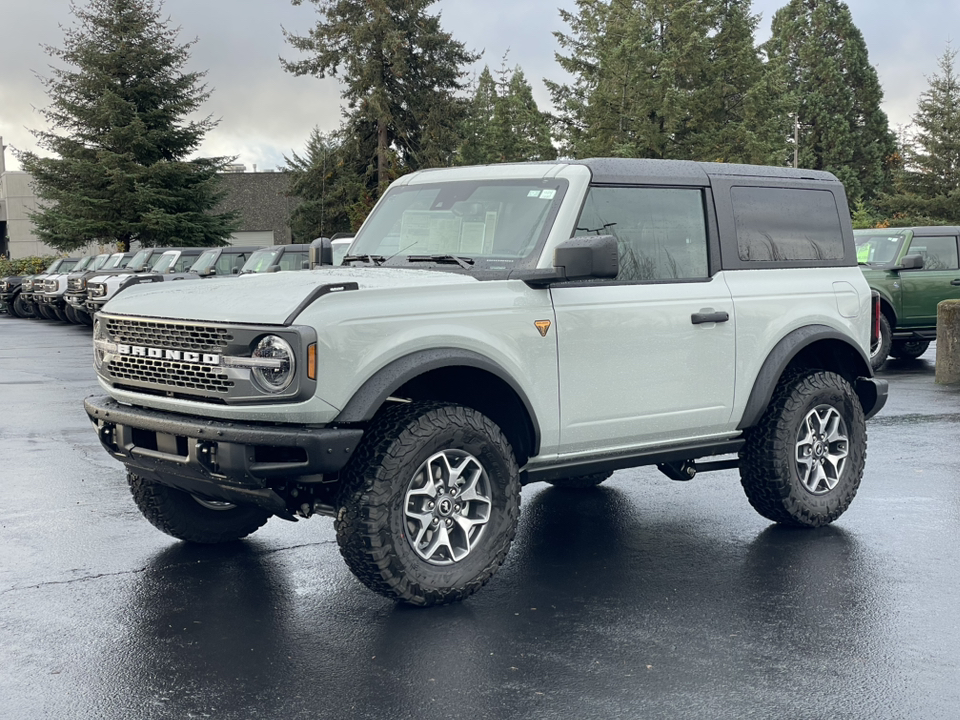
(913, 269)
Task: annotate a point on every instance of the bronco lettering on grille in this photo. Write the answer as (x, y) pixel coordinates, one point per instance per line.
(163, 354)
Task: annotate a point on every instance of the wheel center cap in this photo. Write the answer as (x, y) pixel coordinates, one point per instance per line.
(445, 507)
(818, 449)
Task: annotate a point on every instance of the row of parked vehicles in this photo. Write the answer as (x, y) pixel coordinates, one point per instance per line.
(73, 289)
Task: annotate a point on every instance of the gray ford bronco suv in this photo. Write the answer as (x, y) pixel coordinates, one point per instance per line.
(497, 326)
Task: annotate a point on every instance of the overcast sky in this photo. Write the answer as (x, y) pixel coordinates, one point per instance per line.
(266, 113)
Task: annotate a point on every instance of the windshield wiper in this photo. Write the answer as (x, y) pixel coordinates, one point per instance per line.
(377, 260)
(463, 262)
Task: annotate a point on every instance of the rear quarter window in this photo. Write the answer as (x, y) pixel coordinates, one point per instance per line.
(786, 224)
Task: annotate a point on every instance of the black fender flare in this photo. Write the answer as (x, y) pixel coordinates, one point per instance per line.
(382, 384)
(783, 354)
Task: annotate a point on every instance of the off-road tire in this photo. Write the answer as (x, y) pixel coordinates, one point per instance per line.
(881, 347)
(71, 314)
(372, 529)
(768, 466)
(61, 315)
(179, 514)
(581, 482)
(45, 313)
(19, 308)
(908, 349)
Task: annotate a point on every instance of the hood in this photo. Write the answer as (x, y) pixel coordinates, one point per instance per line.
(266, 299)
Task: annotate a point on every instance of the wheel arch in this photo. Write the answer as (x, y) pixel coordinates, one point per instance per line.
(455, 375)
(815, 347)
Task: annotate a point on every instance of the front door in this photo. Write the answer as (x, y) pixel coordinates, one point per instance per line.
(648, 356)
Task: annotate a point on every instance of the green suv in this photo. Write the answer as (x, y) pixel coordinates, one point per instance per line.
(913, 269)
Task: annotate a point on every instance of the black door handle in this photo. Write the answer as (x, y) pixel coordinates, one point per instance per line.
(715, 317)
(955, 282)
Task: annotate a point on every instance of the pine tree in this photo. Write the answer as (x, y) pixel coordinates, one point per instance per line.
(119, 141)
(400, 74)
(822, 58)
(932, 160)
(504, 123)
(327, 185)
(666, 79)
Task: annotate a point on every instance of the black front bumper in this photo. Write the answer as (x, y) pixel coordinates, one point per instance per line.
(231, 461)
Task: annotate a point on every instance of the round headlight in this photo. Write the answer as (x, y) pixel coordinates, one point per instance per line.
(98, 336)
(274, 379)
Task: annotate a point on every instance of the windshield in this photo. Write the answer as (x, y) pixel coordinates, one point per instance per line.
(165, 262)
(876, 246)
(66, 266)
(499, 223)
(116, 260)
(99, 261)
(205, 261)
(260, 260)
(52, 267)
(138, 260)
(84, 262)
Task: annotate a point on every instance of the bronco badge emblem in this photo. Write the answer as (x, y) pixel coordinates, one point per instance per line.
(542, 326)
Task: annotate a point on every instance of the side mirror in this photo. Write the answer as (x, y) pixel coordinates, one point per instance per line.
(235, 271)
(273, 268)
(580, 258)
(912, 262)
(592, 256)
(321, 252)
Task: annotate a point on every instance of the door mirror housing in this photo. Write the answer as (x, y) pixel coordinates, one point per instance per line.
(912, 262)
(321, 252)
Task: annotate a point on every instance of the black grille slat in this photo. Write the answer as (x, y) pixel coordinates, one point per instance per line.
(171, 373)
(176, 336)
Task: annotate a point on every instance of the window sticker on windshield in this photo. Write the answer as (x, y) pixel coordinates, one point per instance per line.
(534, 193)
(863, 253)
(548, 194)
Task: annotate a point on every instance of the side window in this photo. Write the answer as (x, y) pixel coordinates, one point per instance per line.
(184, 262)
(661, 232)
(228, 261)
(292, 261)
(938, 253)
(778, 224)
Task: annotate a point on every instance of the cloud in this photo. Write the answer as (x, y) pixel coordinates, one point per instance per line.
(265, 113)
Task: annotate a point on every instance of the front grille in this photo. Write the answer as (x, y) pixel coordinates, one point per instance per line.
(75, 284)
(49, 286)
(171, 373)
(177, 336)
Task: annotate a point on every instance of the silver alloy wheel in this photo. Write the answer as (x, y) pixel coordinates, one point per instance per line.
(822, 448)
(213, 504)
(447, 506)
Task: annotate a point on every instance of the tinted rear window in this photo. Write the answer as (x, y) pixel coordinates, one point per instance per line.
(777, 224)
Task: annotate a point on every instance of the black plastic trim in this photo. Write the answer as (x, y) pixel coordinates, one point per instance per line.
(327, 449)
(606, 463)
(375, 391)
(317, 293)
(781, 356)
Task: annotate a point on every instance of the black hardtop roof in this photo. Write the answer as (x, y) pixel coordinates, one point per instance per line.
(618, 171)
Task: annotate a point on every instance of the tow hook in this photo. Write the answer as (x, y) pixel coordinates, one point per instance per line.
(108, 436)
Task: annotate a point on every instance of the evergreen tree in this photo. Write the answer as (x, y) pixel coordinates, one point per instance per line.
(119, 171)
(400, 75)
(931, 178)
(504, 123)
(666, 79)
(822, 58)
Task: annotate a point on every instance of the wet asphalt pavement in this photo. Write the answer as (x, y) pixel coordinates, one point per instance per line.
(646, 598)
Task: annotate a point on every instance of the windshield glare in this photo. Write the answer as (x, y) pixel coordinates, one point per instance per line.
(84, 262)
(205, 261)
(139, 259)
(877, 246)
(100, 261)
(165, 262)
(499, 222)
(53, 266)
(115, 261)
(260, 261)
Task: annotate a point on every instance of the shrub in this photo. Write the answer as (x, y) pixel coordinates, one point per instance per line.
(25, 266)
